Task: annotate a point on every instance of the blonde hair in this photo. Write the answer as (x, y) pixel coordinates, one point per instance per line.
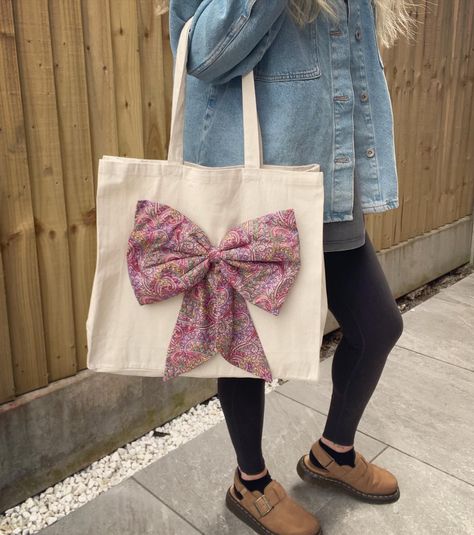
(393, 17)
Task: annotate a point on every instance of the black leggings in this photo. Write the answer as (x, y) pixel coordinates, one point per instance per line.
(361, 300)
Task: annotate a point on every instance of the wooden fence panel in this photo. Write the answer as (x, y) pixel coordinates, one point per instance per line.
(466, 109)
(100, 80)
(75, 151)
(83, 78)
(7, 384)
(128, 96)
(155, 75)
(24, 322)
(41, 117)
(431, 85)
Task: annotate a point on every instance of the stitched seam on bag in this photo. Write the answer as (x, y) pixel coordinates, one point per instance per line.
(234, 31)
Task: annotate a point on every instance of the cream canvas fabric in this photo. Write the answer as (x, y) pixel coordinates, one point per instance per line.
(125, 337)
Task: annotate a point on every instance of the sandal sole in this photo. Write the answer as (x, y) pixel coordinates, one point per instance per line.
(240, 512)
(306, 474)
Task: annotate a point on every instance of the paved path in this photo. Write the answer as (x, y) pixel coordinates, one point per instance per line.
(419, 424)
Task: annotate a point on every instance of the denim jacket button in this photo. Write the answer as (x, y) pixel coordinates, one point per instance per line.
(364, 96)
(370, 152)
(358, 34)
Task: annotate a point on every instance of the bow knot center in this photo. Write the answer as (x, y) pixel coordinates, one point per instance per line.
(214, 255)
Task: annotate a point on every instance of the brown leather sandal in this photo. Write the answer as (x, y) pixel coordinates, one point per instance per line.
(365, 480)
(272, 512)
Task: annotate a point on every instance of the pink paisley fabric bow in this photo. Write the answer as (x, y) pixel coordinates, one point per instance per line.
(256, 261)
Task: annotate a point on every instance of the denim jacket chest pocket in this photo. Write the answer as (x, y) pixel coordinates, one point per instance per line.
(293, 55)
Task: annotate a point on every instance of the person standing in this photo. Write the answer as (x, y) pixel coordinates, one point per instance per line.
(322, 96)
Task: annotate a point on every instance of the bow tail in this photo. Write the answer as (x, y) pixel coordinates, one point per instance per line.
(214, 318)
(192, 342)
(241, 345)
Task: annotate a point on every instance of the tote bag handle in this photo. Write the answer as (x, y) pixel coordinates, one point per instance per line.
(251, 127)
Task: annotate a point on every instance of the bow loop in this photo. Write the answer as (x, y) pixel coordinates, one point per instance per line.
(256, 261)
(166, 253)
(262, 258)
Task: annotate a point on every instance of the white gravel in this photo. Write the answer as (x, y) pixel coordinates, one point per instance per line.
(57, 501)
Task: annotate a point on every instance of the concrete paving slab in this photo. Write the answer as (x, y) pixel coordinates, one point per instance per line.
(460, 292)
(128, 509)
(421, 406)
(195, 478)
(431, 502)
(441, 328)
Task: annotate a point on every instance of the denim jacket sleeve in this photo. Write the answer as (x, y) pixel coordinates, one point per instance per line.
(227, 37)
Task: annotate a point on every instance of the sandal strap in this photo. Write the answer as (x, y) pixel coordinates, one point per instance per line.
(331, 465)
(351, 475)
(266, 501)
(263, 505)
(273, 494)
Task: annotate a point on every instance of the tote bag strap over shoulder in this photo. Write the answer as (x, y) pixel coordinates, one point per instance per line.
(251, 127)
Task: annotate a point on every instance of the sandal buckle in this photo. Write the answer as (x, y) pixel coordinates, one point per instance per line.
(268, 505)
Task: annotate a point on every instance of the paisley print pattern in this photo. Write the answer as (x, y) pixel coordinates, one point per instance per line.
(256, 261)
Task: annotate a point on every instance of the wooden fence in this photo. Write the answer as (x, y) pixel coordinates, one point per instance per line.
(82, 78)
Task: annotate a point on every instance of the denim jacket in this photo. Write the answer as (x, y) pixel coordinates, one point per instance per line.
(322, 95)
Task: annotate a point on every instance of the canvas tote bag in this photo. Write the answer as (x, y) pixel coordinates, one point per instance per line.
(235, 252)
